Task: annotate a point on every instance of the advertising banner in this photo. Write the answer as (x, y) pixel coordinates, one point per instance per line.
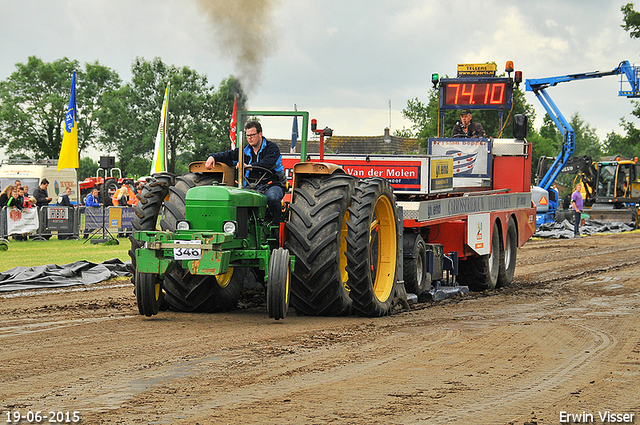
(22, 221)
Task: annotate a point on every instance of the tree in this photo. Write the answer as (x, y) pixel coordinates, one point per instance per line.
(198, 118)
(587, 141)
(631, 20)
(88, 168)
(34, 100)
(628, 145)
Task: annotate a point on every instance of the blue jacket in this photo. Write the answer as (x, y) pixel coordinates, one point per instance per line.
(267, 157)
(91, 201)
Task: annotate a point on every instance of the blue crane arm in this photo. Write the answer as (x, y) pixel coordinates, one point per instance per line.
(569, 138)
(624, 68)
(538, 86)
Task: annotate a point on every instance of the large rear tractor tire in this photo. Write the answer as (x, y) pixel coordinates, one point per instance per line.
(416, 277)
(278, 284)
(372, 247)
(203, 293)
(149, 203)
(481, 273)
(317, 231)
(508, 260)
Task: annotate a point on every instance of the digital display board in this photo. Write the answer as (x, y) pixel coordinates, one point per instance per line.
(492, 93)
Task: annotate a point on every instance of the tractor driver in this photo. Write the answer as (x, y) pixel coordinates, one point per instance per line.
(262, 153)
(467, 128)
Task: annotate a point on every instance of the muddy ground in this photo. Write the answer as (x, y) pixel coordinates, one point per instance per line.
(564, 339)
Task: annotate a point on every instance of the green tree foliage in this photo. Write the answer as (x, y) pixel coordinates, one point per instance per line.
(629, 144)
(34, 101)
(631, 20)
(198, 122)
(587, 141)
(88, 168)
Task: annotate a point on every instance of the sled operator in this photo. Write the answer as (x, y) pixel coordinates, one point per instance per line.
(466, 127)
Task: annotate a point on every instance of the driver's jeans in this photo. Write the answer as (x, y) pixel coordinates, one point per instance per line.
(274, 196)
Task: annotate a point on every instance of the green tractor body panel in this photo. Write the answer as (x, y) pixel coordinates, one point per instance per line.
(208, 207)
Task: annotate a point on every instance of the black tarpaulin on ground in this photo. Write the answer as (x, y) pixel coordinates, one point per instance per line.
(54, 276)
(564, 230)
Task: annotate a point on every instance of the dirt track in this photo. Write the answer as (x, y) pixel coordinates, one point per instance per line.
(565, 337)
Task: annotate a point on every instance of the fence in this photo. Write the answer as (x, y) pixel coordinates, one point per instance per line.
(42, 223)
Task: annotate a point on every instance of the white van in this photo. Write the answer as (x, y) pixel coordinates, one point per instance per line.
(30, 173)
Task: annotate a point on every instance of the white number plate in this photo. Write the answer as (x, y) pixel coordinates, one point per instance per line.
(188, 252)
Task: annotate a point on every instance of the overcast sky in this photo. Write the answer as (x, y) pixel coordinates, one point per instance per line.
(343, 61)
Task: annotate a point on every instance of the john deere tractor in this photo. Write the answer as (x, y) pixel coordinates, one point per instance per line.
(196, 236)
(223, 233)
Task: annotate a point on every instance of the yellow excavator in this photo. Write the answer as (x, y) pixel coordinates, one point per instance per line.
(610, 187)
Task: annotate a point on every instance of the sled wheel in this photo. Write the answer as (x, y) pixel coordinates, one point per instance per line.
(148, 293)
(416, 277)
(481, 273)
(278, 284)
(508, 260)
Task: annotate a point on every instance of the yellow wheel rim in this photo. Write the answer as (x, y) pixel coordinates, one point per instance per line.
(343, 249)
(157, 291)
(223, 279)
(383, 226)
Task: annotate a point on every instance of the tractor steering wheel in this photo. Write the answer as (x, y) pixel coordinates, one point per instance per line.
(265, 177)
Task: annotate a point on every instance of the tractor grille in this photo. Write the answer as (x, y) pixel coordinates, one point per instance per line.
(242, 218)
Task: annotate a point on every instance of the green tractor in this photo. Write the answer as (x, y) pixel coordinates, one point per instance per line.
(196, 236)
(224, 231)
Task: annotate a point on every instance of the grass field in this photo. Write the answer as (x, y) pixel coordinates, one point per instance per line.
(38, 253)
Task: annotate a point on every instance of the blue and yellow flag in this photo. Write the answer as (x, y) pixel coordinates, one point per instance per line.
(69, 150)
(159, 162)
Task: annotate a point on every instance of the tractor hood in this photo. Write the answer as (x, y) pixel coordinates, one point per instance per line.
(208, 207)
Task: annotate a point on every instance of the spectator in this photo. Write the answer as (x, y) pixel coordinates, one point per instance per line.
(17, 184)
(92, 199)
(26, 191)
(121, 196)
(5, 195)
(14, 201)
(21, 197)
(63, 200)
(41, 194)
(577, 203)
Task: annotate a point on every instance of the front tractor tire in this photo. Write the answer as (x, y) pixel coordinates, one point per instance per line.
(372, 247)
(148, 293)
(278, 284)
(317, 230)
